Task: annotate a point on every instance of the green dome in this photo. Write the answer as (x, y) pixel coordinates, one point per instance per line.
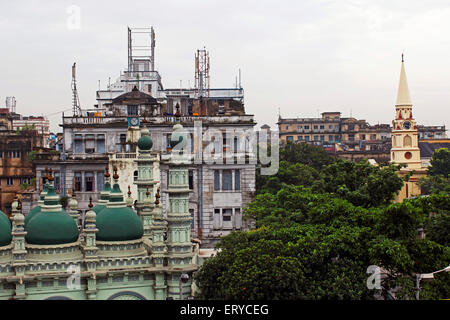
(52, 225)
(5, 230)
(99, 207)
(118, 224)
(145, 143)
(32, 213)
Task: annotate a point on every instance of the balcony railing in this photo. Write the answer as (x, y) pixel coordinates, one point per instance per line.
(158, 120)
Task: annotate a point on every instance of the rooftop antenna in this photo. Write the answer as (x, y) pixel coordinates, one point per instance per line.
(240, 86)
(75, 100)
(202, 73)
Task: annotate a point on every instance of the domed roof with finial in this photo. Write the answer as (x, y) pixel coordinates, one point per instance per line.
(5, 230)
(104, 194)
(37, 209)
(145, 142)
(117, 222)
(52, 225)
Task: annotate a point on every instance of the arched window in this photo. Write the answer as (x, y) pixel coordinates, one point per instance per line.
(407, 141)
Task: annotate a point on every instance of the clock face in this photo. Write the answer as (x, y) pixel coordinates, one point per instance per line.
(134, 121)
(407, 125)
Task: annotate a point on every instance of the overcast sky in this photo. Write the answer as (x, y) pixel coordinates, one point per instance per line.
(302, 57)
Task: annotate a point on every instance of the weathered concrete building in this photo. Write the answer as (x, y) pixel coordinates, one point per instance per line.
(109, 133)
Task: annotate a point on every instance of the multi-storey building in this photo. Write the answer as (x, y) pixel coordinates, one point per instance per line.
(325, 130)
(16, 166)
(109, 134)
(40, 124)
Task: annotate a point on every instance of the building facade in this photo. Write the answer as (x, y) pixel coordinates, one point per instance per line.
(108, 134)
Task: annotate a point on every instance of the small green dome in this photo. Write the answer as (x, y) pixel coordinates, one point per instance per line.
(32, 213)
(145, 143)
(118, 224)
(5, 230)
(52, 225)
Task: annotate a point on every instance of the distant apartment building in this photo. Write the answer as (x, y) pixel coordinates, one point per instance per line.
(319, 131)
(40, 123)
(348, 138)
(432, 132)
(16, 168)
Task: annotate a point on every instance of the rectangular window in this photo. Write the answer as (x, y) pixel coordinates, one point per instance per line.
(322, 127)
(299, 128)
(191, 180)
(89, 181)
(9, 181)
(237, 180)
(100, 143)
(100, 181)
(336, 138)
(289, 138)
(330, 127)
(78, 181)
(226, 218)
(306, 138)
(78, 143)
(57, 182)
(192, 212)
(330, 139)
(168, 136)
(216, 180)
(306, 127)
(132, 110)
(227, 180)
(316, 127)
(90, 143)
(299, 138)
(322, 138)
(351, 137)
(316, 138)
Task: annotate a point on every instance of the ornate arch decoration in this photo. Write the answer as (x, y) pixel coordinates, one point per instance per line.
(407, 141)
(127, 295)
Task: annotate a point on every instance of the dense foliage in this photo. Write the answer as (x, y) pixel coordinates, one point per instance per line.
(319, 227)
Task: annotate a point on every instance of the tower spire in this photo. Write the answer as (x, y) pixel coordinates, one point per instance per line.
(403, 97)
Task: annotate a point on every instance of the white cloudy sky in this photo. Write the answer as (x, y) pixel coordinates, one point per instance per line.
(302, 56)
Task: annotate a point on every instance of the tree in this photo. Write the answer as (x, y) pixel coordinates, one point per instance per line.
(318, 246)
(306, 154)
(440, 163)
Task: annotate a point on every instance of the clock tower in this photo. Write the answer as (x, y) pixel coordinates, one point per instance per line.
(405, 141)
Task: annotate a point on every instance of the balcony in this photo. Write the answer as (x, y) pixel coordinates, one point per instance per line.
(111, 120)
